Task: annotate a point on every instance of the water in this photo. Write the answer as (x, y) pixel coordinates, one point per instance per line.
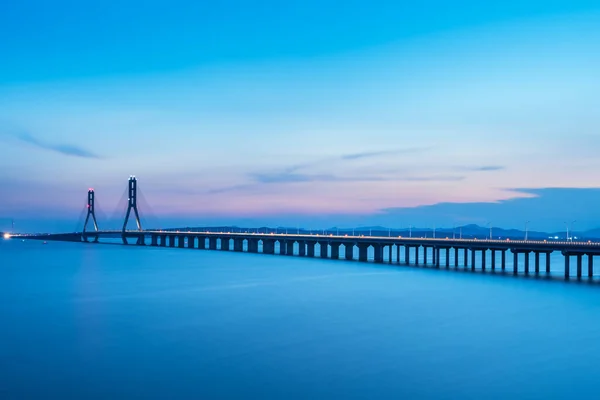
(109, 321)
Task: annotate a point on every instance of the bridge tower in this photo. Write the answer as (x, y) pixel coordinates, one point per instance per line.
(91, 212)
(132, 204)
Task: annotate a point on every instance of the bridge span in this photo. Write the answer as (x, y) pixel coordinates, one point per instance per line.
(399, 250)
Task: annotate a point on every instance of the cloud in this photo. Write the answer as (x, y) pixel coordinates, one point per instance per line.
(483, 168)
(371, 154)
(434, 178)
(65, 149)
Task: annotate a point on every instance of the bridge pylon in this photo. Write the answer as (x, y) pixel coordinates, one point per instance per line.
(91, 212)
(132, 205)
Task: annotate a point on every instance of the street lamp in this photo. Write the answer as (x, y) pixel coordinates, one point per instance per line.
(526, 231)
(434, 231)
(490, 225)
(410, 231)
(454, 231)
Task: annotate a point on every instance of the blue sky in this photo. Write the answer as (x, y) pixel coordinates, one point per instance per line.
(302, 113)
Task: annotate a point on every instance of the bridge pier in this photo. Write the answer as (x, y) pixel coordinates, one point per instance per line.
(526, 254)
(466, 257)
(567, 265)
(389, 253)
(201, 243)
(515, 262)
(473, 255)
(289, 247)
(398, 253)
(191, 242)
(238, 244)
(483, 259)
(425, 255)
(503, 260)
(154, 240)
(447, 257)
(335, 251)
(301, 248)
(349, 251)
(590, 258)
(324, 250)
(378, 253)
(579, 266)
(436, 256)
(548, 262)
(310, 249)
(455, 257)
(180, 241)
(537, 262)
(268, 246)
(417, 255)
(225, 244)
(212, 243)
(363, 252)
(493, 255)
(407, 255)
(252, 245)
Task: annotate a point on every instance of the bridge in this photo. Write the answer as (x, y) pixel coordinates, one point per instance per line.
(377, 249)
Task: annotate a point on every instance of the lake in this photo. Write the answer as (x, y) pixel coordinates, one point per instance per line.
(100, 321)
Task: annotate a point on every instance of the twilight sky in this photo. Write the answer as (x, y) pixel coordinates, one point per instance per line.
(311, 113)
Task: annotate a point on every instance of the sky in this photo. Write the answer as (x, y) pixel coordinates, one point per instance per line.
(301, 113)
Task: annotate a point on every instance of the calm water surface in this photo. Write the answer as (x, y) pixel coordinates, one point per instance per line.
(108, 321)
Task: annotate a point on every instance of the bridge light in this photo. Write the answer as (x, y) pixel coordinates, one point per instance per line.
(7, 236)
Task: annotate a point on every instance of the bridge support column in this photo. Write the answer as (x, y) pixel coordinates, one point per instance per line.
(201, 243)
(436, 256)
(269, 246)
(225, 244)
(456, 257)
(493, 254)
(163, 240)
(447, 257)
(301, 248)
(483, 259)
(398, 254)
(349, 251)
(473, 255)
(363, 252)
(141, 240)
(252, 245)
(172, 241)
(310, 247)
(579, 266)
(417, 255)
(154, 240)
(378, 253)
(503, 260)
(537, 262)
(335, 251)
(567, 265)
(324, 249)
(526, 254)
(515, 262)
(238, 244)
(406, 255)
(289, 247)
(212, 243)
(590, 258)
(180, 241)
(389, 253)
(191, 240)
(425, 255)
(466, 257)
